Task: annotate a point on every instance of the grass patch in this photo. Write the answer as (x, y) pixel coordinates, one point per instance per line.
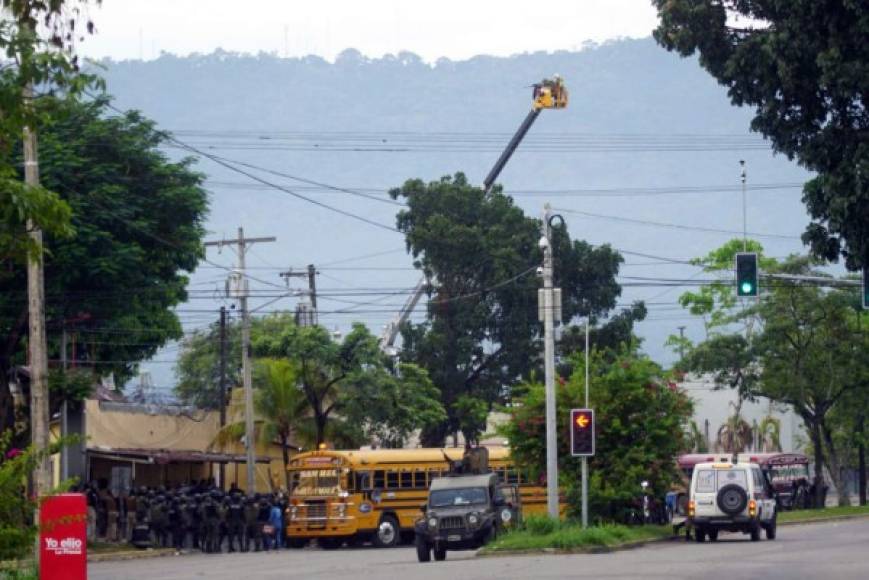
(539, 533)
(809, 515)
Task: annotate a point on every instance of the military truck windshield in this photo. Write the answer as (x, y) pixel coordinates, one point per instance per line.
(456, 497)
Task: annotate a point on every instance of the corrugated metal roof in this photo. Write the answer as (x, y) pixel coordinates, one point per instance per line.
(164, 456)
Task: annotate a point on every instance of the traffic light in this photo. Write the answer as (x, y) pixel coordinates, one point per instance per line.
(746, 274)
(582, 432)
(866, 287)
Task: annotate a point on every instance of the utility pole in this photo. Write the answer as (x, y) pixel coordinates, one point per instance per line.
(36, 340)
(64, 410)
(547, 304)
(303, 317)
(744, 209)
(222, 468)
(585, 459)
(241, 291)
(681, 342)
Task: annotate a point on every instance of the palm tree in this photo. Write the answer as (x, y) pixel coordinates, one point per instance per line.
(280, 406)
(735, 435)
(695, 439)
(769, 434)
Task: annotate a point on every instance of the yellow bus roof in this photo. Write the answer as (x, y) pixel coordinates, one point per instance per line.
(360, 457)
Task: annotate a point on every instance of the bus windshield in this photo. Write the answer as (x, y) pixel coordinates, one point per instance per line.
(453, 497)
(316, 482)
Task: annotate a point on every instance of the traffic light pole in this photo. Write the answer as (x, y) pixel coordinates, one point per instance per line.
(585, 459)
(549, 369)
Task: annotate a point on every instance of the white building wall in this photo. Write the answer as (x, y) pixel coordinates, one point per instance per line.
(716, 405)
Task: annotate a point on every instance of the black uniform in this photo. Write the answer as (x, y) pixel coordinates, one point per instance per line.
(235, 523)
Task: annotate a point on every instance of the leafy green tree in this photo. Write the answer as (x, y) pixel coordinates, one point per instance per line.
(809, 353)
(641, 421)
(481, 333)
(198, 367)
(804, 66)
(799, 345)
(280, 408)
(350, 392)
(138, 220)
(386, 407)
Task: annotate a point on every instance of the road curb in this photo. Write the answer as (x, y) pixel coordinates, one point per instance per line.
(641, 543)
(825, 520)
(133, 555)
(584, 550)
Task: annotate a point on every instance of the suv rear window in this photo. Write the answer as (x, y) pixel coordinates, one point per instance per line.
(736, 476)
(710, 480)
(705, 481)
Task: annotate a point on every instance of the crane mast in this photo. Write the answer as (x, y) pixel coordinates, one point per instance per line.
(547, 94)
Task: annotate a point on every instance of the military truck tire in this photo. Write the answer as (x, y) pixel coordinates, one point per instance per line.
(423, 550)
(440, 554)
(713, 535)
(699, 535)
(387, 534)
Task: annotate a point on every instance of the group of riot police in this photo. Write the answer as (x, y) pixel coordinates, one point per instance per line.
(197, 516)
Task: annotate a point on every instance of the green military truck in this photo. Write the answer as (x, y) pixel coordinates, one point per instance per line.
(463, 512)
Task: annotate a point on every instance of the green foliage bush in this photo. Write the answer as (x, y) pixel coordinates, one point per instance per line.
(540, 525)
(641, 420)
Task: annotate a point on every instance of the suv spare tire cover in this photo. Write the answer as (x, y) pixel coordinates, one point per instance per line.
(732, 499)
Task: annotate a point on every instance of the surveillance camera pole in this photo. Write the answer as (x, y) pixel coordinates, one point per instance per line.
(548, 307)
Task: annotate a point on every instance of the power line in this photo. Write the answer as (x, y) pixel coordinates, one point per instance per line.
(671, 225)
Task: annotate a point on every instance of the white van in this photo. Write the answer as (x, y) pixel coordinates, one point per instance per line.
(734, 497)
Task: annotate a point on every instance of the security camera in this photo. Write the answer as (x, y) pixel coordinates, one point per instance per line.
(543, 243)
(539, 271)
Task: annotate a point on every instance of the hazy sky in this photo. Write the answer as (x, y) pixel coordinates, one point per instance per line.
(456, 29)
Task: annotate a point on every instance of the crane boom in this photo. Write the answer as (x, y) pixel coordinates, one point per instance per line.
(548, 94)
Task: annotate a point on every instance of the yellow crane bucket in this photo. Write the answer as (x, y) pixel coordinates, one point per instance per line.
(550, 94)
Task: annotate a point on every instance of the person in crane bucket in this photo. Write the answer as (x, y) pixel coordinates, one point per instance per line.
(550, 94)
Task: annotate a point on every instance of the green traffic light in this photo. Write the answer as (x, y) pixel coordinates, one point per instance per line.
(746, 288)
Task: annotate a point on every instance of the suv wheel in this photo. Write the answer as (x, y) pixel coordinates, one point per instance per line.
(713, 535)
(387, 534)
(423, 550)
(771, 528)
(699, 535)
(755, 533)
(440, 554)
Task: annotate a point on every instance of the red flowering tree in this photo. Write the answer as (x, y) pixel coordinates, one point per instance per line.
(641, 420)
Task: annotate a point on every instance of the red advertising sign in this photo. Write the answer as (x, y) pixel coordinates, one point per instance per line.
(63, 537)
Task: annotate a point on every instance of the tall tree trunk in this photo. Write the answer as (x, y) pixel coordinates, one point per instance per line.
(434, 436)
(285, 455)
(818, 452)
(320, 420)
(861, 458)
(835, 467)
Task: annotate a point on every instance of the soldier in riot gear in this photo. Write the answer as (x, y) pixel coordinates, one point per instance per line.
(252, 529)
(235, 522)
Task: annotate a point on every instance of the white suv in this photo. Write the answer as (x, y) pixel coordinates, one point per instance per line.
(734, 497)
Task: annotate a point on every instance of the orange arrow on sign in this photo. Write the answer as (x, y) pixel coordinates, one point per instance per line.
(582, 420)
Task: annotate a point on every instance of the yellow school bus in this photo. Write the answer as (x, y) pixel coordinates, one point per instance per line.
(357, 495)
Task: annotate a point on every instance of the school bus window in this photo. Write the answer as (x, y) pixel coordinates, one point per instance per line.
(419, 481)
(391, 480)
(379, 479)
(512, 476)
(406, 479)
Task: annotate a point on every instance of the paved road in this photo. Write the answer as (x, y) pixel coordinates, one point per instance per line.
(827, 551)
